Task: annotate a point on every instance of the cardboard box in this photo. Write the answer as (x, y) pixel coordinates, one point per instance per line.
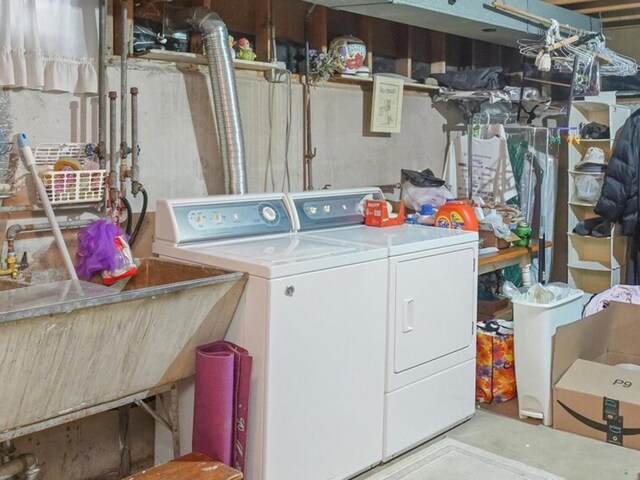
(492, 306)
(501, 308)
(488, 239)
(592, 396)
(504, 314)
(376, 214)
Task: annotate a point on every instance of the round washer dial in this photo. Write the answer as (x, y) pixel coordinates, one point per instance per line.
(269, 214)
(196, 219)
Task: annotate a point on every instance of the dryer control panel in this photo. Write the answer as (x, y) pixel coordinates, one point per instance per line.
(221, 217)
(332, 208)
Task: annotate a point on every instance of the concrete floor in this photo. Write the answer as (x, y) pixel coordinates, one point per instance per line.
(570, 456)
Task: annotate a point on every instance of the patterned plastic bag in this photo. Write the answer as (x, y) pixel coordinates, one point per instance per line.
(495, 367)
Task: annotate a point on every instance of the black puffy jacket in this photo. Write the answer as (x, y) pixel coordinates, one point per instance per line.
(619, 197)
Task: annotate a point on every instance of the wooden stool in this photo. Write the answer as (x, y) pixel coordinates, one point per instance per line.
(194, 466)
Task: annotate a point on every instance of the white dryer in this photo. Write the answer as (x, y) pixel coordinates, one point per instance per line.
(432, 290)
(313, 315)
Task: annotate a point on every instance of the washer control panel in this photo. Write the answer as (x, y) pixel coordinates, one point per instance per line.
(218, 220)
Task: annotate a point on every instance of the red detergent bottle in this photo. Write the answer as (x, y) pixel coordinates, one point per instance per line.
(457, 214)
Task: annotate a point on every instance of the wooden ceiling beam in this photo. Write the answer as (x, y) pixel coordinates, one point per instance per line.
(609, 8)
(569, 2)
(621, 18)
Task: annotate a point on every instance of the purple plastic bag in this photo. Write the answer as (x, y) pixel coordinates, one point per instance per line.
(97, 248)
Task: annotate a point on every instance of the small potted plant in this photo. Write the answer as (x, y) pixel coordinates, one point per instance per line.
(321, 66)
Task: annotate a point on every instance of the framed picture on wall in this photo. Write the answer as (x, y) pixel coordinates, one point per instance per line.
(386, 107)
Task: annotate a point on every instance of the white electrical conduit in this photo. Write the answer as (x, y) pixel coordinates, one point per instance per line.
(102, 83)
(30, 162)
(124, 54)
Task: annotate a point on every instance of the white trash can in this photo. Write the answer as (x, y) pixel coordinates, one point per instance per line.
(533, 330)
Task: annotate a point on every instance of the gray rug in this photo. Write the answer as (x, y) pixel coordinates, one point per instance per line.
(449, 459)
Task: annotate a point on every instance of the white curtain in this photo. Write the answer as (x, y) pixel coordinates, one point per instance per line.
(50, 45)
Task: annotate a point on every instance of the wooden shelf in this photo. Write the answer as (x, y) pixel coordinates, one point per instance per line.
(580, 172)
(588, 107)
(591, 237)
(403, 44)
(582, 204)
(351, 79)
(594, 281)
(356, 80)
(592, 268)
(421, 87)
(199, 59)
(507, 256)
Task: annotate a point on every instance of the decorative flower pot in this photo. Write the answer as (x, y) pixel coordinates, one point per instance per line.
(351, 53)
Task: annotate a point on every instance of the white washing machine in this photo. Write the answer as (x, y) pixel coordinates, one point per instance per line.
(432, 290)
(313, 315)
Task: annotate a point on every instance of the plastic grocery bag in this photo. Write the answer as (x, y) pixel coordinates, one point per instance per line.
(539, 294)
(495, 366)
(414, 197)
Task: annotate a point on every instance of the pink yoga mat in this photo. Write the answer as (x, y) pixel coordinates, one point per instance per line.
(223, 375)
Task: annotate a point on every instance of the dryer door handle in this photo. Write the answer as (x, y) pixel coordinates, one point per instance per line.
(407, 315)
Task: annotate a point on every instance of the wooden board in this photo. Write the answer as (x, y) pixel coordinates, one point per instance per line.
(198, 59)
(507, 256)
(194, 466)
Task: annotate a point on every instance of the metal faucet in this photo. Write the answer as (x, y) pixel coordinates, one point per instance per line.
(12, 266)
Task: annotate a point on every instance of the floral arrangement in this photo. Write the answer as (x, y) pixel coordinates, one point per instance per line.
(321, 66)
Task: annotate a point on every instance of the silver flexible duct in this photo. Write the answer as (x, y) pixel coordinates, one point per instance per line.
(215, 38)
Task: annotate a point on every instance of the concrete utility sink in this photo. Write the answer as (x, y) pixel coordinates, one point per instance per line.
(6, 284)
(70, 346)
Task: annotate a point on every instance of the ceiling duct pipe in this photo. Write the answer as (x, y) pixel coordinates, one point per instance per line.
(215, 38)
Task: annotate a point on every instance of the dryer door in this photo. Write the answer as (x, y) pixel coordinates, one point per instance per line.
(434, 306)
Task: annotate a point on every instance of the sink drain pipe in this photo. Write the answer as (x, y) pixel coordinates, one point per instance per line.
(26, 464)
(215, 38)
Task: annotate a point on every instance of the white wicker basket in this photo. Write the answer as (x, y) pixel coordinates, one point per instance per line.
(69, 186)
(50, 153)
(74, 186)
